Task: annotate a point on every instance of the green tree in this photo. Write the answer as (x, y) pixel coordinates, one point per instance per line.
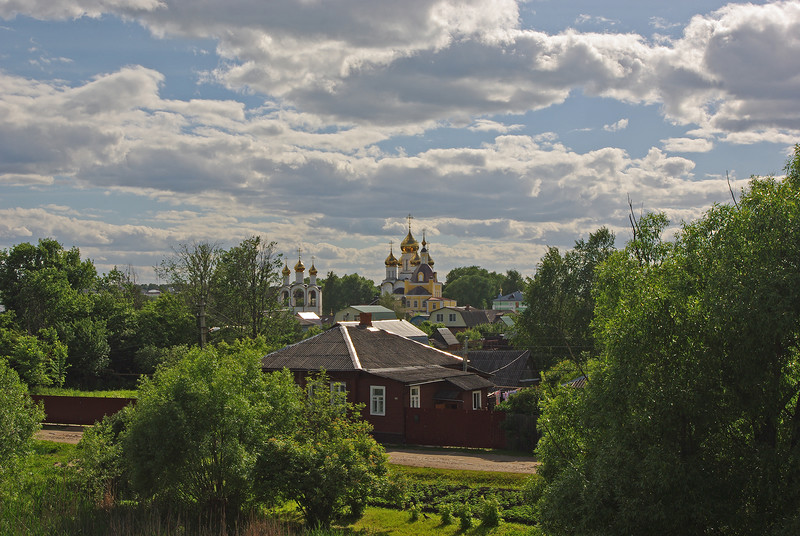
(39, 360)
(329, 464)
(198, 426)
(556, 323)
(41, 283)
(246, 283)
(19, 419)
(690, 420)
(341, 292)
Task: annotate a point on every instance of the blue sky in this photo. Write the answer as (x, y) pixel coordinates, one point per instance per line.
(128, 127)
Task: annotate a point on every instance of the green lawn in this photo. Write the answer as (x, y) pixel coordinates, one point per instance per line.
(380, 521)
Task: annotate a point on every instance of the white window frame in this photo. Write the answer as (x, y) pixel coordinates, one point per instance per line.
(338, 387)
(452, 317)
(377, 400)
(440, 317)
(476, 399)
(414, 396)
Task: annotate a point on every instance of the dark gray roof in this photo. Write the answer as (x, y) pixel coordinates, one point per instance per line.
(507, 367)
(446, 335)
(468, 382)
(371, 348)
(418, 291)
(514, 296)
(412, 375)
(327, 350)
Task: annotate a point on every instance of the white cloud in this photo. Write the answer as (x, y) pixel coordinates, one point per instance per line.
(687, 145)
(622, 124)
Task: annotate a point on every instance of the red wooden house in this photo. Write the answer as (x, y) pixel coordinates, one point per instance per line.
(397, 379)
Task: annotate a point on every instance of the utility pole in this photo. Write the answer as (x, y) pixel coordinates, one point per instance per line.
(466, 351)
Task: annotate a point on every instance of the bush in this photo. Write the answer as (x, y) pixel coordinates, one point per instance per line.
(195, 434)
(329, 464)
(490, 513)
(446, 513)
(19, 419)
(464, 514)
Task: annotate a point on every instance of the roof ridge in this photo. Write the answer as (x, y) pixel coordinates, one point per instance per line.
(351, 349)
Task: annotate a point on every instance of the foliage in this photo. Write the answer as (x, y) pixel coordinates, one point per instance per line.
(196, 430)
(489, 512)
(430, 327)
(556, 324)
(102, 462)
(39, 361)
(690, 420)
(246, 284)
(43, 283)
(329, 463)
(342, 292)
(19, 419)
(475, 286)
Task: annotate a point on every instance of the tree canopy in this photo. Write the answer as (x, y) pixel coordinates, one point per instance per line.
(350, 289)
(690, 419)
(477, 287)
(556, 324)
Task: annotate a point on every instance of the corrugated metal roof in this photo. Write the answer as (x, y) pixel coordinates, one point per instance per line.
(404, 328)
(327, 350)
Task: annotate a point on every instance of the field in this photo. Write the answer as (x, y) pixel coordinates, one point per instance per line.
(48, 499)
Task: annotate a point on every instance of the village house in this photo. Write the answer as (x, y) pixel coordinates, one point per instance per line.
(411, 392)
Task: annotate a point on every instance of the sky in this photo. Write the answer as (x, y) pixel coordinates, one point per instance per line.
(129, 127)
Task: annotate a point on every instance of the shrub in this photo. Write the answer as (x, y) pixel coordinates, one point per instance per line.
(446, 513)
(19, 419)
(490, 513)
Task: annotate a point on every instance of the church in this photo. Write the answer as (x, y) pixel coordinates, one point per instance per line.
(411, 278)
(301, 297)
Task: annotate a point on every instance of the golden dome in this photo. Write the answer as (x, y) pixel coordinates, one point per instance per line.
(409, 245)
(286, 270)
(430, 261)
(299, 267)
(313, 270)
(415, 260)
(391, 260)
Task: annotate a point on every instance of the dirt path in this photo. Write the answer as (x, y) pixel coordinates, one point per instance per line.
(478, 461)
(60, 434)
(439, 459)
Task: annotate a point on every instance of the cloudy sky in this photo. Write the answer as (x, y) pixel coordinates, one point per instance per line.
(130, 126)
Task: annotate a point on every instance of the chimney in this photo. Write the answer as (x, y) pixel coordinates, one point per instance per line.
(365, 320)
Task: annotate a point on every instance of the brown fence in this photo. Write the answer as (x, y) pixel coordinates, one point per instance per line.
(455, 428)
(79, 409)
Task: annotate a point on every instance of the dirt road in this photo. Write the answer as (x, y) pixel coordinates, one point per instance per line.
(440, 459)
(478, 461)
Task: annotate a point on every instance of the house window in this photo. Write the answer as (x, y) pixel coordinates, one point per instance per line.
(452, 317)
(414, 396)
(377, 396)
(476, 400)
(338, 391)
(439, 317)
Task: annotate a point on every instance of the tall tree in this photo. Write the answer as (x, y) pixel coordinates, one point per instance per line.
(44, 284)
(246, 285)
(556, 324)
(690, 420)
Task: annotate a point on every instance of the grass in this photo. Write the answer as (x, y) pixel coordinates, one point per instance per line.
(382, 521)
(475, 479)
(62, 391)
(48, 498)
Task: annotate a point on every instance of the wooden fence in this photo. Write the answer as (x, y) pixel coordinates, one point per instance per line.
(455, 428)
(83, 410)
